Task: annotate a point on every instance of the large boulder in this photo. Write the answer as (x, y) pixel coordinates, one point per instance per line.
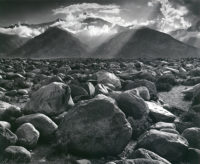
(132, 105)
(193, 137)
(104, 77)
(7, 138)
(17, 154)
(94, 127)
(159, 114)
(172, 147)
(41, 122)
(51, 99)
(27, 135)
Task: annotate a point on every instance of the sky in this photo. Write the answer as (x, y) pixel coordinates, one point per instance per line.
(163, 15)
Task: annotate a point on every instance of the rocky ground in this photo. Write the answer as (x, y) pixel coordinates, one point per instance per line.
(91, 111)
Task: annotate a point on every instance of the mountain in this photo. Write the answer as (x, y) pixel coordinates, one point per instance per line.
(10, 42)
(187, 36)
(144, 43)
(53, 43)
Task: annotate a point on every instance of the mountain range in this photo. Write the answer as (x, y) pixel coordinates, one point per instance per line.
(53, 43)
(118, 42)
(145, 42)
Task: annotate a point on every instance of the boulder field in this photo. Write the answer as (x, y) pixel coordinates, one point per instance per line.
(93, 111)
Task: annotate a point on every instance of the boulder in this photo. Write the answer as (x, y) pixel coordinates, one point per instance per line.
(193, 156)
(27, 135)
(132, 105)
(139, 126)
(139, 83)
(143, 153)
(168, 130)
(17, 154)
(41, 122)
(159, 114)
(7, 111)
(4, 124)
(104, 77)
(78, 91)
(144, 93)
(163, 125)
(7, 138)
(89, 87)
(193, 137)
(51, 100)
(95, 127)
(170, 146)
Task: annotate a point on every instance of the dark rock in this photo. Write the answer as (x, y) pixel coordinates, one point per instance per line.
(11, 93)
(27, 135)
(132, 105)
(8, 111)
(181, 125)
(169, 79)
(139, 83)
(144, 93)
(163, 87)
(94, 127)
(139, 126)
(42, 123)
(17, 154)
(193, 137)
(192, 117)
(193, 156)
(171, 146)
(194, 72)
(77, 91)
(51, 99)
(7, 138)
(146, 154)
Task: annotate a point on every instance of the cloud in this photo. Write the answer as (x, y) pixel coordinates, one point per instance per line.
(172, 17)
(22, 31)
(192, 5)
(77, 13)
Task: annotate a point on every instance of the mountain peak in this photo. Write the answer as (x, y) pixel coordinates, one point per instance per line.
(53, 43)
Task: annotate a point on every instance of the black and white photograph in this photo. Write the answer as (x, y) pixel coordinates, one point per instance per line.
(99, 81)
